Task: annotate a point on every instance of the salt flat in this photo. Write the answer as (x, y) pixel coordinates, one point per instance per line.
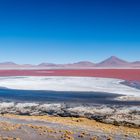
(64, 83)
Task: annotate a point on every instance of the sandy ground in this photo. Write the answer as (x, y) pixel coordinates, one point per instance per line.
(61, 128)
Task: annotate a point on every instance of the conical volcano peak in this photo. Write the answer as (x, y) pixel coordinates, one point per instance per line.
(113, 61)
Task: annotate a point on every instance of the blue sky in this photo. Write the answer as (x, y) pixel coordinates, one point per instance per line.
(61, 31)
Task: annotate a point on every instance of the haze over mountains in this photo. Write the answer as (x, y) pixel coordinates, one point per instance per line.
(111, 62)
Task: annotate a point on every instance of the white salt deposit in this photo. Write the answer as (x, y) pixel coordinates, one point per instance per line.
(108, 85)
(6, 105)
(23, 105)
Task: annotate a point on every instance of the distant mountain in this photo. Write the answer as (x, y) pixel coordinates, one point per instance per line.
(12, 65)
(81, 64)
(48, 65)
(74, 65)
(113, 61)
(8, 64)
(27, 65)
(136, 63)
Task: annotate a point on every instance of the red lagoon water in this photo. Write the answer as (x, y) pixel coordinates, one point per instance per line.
(126, 74)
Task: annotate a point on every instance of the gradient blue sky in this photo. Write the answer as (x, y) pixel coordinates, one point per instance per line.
(61, 31)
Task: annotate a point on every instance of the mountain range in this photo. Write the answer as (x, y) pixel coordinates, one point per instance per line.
(111, 62)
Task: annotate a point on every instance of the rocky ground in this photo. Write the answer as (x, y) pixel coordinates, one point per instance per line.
(124, 115)
(15, 127)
